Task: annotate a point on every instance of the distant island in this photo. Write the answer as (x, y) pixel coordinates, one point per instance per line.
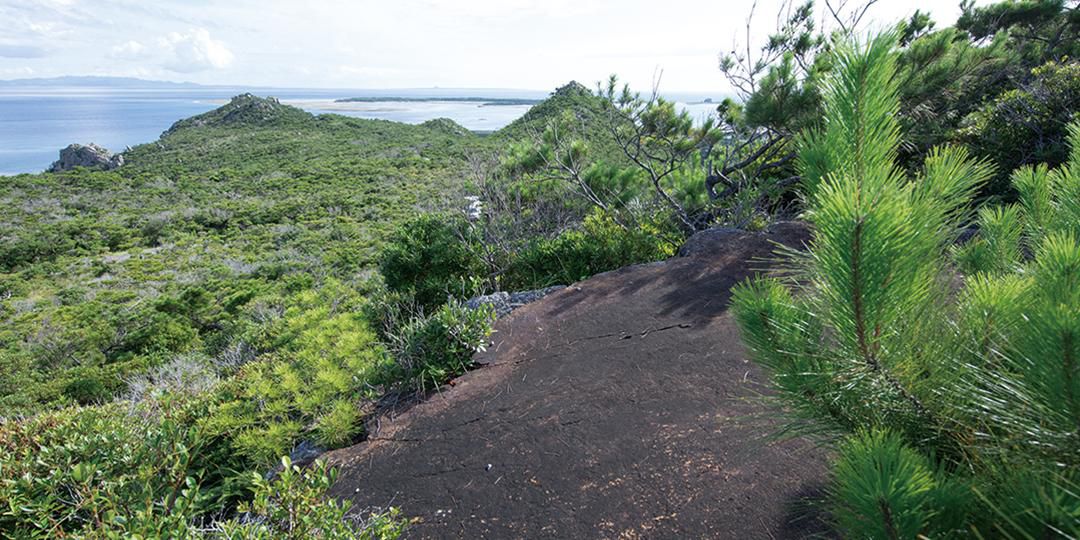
(483, 100)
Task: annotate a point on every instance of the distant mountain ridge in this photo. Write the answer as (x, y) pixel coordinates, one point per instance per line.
(248, 109)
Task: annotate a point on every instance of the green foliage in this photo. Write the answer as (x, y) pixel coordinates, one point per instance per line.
(429, 350)
(1026, 125)
(632, 153)
(572, 98)
(997, 248)
(946, 392)
(86, 391)
(783, 100)
(429, 257)
(884, 489)
(1040, 30)
(779, 87)
(111, 472)
(601, 244)
(202, 301)
(104, 471)
(183, 448)
(658, 139)
(944, 77)
(978, 83)
(198, 240)
(293, 506)
(860, 131)
(324, 366)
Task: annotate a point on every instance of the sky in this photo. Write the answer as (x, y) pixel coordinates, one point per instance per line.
(522, 44)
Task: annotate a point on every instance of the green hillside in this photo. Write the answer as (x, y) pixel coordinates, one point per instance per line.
(235, 206)
(573, 97)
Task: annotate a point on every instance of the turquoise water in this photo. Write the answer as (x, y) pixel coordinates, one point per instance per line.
(35, 123)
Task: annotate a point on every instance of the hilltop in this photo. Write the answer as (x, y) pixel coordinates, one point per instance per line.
(233, 276)
(620, 407)
(573, 97)
(245, 109)
(561, 329)
(447, 126)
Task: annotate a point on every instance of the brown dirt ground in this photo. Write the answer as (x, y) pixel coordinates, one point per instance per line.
(621, 407)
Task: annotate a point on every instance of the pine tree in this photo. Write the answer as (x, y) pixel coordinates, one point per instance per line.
(949, 377)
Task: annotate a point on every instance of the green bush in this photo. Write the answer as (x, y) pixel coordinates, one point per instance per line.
(430, 257)
(1026, 126)
(600, 245)
(294, 506)
(885, 489)
(431, 349)
(119, 472)
(955, 398)
(109, 470)
(325, 364)
(86, 390)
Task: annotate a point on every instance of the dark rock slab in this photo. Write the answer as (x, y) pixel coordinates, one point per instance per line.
(621, 406)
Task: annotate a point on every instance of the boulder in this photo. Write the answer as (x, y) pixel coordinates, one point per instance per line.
(518, 299)
(704, 242)
(86, 155)
(503, 302)
(720, 239)
(499, 301)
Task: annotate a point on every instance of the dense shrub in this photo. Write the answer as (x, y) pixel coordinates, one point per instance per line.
(179, 451)
(325, 364)
(1026, 125)
(955, 398)
(430, 349)
(601, 244)
(114, 472)
(101, 469)
(86, 390)
(105, 268)
(294, 505)
(430, 257)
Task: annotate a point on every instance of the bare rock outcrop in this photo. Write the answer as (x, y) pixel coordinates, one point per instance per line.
(86, 155)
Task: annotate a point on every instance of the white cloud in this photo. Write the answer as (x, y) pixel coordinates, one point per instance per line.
(129, 50)
(537, 44)
(194, 51)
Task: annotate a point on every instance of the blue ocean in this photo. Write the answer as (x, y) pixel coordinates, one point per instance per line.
(35, 123)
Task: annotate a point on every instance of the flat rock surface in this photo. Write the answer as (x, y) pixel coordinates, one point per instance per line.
(623, 406)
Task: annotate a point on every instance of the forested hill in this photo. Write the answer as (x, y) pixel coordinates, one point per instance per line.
(573, 98)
